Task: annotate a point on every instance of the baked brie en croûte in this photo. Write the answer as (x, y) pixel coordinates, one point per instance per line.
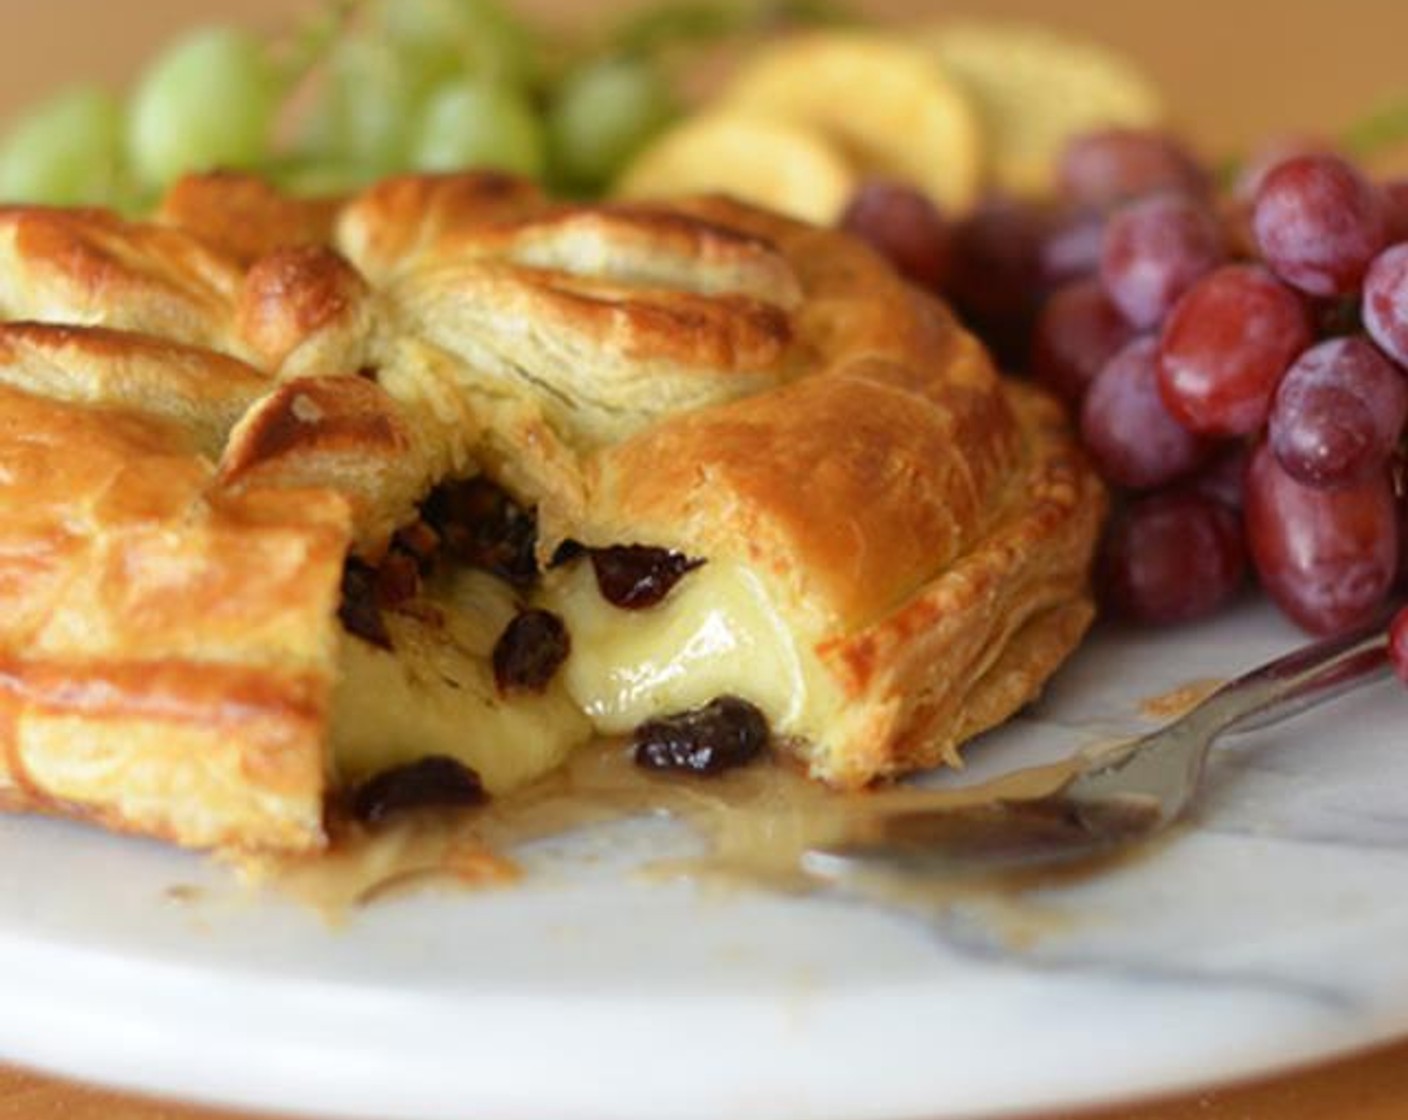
(294, 495)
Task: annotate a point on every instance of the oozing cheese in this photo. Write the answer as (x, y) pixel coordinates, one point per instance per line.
(716, 633)
(435, 694)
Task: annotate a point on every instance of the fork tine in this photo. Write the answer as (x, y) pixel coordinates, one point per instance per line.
(1075, 813)
(984, 840)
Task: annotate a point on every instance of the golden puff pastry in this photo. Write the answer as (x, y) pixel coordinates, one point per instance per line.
(219, 424)
(166, 663)
(918, 528)
(91, 268)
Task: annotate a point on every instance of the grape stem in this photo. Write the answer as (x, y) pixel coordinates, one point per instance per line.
(313, 40)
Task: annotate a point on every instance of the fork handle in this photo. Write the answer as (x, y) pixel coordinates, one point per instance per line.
(1301, 679)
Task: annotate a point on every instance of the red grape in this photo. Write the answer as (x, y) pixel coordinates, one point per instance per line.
(1104, 168)
(995, 274)
(1319, 223)
(1223, 478)
(1338, 413)
(1270, 398)
(1126, 428)
(1173, 557)
(1077, 331)
(1386, 302)
(1071, 250)
(1225, 347)
(1402, 495)
(1398, 644)
(1154, 250)
(1395, 192)
(1270, 155)
(1327, 557)
(903, 225)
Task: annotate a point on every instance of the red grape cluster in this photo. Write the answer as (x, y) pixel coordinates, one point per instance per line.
(1237, 361)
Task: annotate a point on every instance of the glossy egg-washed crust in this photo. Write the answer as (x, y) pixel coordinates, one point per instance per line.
(201, 414)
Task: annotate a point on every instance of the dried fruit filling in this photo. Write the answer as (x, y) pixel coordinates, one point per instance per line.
(530, 651)
(635, 576)
(461, 634)
(432, 782)
(722, 734)
(480, 525)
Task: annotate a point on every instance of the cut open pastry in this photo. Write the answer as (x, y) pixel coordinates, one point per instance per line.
(452, 470)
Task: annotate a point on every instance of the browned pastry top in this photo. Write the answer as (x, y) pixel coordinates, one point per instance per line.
(211, 408)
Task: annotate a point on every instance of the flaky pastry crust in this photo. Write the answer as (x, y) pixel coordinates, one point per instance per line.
(165, 654)
(200, 417)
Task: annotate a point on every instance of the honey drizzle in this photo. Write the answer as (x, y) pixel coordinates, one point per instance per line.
(756, 821)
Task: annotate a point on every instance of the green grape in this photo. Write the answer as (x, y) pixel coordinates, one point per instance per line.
(479, 124)
(482, 37)
(372, 92)
(317, 129)
(208, 101)
(602, 115)
(65, 151)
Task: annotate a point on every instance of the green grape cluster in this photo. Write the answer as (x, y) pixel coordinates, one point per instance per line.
(433, 85)
(364, 89)
(67, 150)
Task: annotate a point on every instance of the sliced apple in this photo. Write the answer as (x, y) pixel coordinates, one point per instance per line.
(786, 167)
(1034, 89)
(886, 102)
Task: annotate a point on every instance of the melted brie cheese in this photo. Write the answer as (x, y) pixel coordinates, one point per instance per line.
(718, 632)
(434, 693)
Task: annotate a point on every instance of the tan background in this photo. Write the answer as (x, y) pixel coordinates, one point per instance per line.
(1234, 69)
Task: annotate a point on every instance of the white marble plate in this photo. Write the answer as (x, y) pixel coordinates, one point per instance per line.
(1272, 932)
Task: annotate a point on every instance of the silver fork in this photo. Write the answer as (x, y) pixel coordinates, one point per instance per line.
(1100, 802)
